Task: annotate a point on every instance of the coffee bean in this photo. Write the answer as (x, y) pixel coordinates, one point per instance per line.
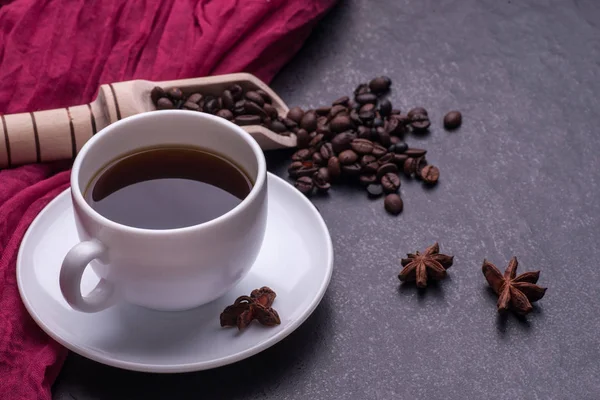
(420, 123)
(351, 169)
(374, 190)
(295, 114)
(430, 174)
(336, 110)
(290, 124)
(294, 167)
(175, 93)
(265, 96)
(323, 110)
(239, 107)
(302, 155)
(393, 127)
(355, 118)
(366, 108)
(244, 120)
(452, 120)
(317, 158)
(380, 84)
(309, 121)
(254, 109)
(305, 185)
(322, 121)
(386, 158)
(348, 157)
(410, 166)
(393, 204)
(386, 169)
(378, 150)
(413, 152)
(366, 116)
(326, 151)
(342, 141)
(307, 169)
(301, 168)
(195, 98)
(340, 123)
(399, 159)
(334, 167)
(401, 147)
(164, 104)
(302, 138)
(342, 101)
(316, 141)
(324, 172)
(366, 180)
(385, 107)
(236, 92)
(361, 89)
(362, 146)
(417, 111)
(225, 113)
(270, 110)
(226, 99)
(378, 122)
(390, 182)
(278, 126)
(255, 97)
(156, 93)
(365, 98)
(364, 132)
(211, 105)
(384, 137)
(367, 159)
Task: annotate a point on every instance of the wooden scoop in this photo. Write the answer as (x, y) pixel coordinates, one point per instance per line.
(59, 134)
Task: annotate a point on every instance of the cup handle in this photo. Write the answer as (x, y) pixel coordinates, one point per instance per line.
(71, 272)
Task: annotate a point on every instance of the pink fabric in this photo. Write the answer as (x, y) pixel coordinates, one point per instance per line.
(57, 53)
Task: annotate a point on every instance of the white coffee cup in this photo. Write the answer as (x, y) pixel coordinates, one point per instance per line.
(171, 269)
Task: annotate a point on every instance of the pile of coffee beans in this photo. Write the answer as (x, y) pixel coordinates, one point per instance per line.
(360, 140)
(252, 107)
(354, 140)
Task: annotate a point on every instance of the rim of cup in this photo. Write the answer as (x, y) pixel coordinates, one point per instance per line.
(113, 129)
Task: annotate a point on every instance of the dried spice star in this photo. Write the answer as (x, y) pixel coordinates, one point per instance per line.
(246, 309)
(421, 266)
(514, 292)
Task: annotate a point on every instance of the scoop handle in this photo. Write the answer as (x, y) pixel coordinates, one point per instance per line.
(49, 135)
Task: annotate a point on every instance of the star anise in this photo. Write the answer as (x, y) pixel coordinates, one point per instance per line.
(257, 306)
(515, 292)
(419, 266)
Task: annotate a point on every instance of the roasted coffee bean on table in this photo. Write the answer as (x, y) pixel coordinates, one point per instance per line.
(452, 120)
(361, 140)
(356, 139)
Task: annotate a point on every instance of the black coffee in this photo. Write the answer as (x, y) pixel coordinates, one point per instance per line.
(167, 188)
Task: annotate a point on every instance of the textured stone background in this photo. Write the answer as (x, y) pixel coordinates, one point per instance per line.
(519, 178)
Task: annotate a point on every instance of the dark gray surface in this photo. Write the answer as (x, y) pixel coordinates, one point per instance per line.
(519, 178)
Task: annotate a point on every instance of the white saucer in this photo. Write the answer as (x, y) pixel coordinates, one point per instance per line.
(296, 261)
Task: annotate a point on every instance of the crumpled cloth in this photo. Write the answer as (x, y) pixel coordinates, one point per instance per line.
(57, 53)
